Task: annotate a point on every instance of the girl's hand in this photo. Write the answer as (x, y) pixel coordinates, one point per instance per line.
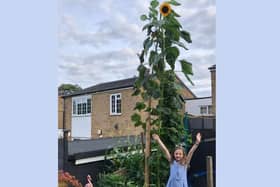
(155, 137)
(198, 137)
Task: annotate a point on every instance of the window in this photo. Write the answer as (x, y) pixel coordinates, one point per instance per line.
(81, 106)
(115, 104)
(210, 109)
(205, 109)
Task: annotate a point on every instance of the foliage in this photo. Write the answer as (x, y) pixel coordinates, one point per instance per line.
(128, 162)
(113, 180)
(65, 179)
(157, 81)
(68, 88)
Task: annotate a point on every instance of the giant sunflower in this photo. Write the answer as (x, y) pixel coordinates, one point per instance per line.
(165, 9)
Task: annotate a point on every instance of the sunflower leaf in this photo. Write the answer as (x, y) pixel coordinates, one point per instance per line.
(180, 44)
(173, 2)
(186, 36)
(186, 67)
(171, 55)
(175, 14)
(154, 3)
(143, 17)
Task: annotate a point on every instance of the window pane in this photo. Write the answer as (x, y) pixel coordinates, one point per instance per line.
(84, 111)
(74, 107)
(88, 105)
(113, 104)
(79, 108)
(119, 105)
(203, 110)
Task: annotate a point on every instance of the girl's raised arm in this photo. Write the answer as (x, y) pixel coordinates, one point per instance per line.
(194, 147)
(162, 146)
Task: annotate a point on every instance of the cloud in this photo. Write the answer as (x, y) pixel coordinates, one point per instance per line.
(107, 66)
(99, 40)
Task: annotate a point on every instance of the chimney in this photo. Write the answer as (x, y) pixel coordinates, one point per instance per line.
(213, 87)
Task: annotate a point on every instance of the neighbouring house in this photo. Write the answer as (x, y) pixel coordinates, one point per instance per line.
(103, 110)
(201, 106)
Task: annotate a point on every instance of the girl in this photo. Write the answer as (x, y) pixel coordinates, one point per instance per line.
(178, 162)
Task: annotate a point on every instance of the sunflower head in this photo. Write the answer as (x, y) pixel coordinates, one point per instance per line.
(165, 9)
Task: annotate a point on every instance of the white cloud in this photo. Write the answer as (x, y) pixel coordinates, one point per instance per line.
(99, 40)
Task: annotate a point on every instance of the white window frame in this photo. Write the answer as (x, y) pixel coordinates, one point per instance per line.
(207, 109)
(80, 101)
(115, 113)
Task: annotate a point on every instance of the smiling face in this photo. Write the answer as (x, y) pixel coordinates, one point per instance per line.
(178, 154)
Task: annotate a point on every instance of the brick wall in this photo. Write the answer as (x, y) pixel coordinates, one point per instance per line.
(114, 125)
(111, 125)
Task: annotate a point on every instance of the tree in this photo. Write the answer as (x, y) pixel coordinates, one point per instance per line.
(65, 89)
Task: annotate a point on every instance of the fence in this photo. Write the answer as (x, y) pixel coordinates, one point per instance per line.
(196, 173)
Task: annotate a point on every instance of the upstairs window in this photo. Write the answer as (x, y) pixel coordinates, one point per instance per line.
(206, 109)
(203, 110)
(81, 106)
(115, 104)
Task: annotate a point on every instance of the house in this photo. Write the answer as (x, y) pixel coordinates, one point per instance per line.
(200, 106)
(103, 110)
(203, 106)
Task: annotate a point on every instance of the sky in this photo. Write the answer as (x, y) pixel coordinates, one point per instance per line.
(98, 41)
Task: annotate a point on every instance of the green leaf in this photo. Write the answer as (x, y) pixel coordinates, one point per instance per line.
(147, 26)
(135, 117)
(175, 3)
(142, 71)
(186, 36)
(154, 58)
(136, 92)
(141, 56)
(147, 44)
(175, 14)
(140, 106)
(154, 3)
(189, 79)
(180, 44)
(153, 13)
(173, 22)
(171, 55)
(172, 33)
(187, 69)
(143, 17)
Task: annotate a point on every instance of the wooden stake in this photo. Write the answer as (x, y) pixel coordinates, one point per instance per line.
(148, 148)
(209, 166)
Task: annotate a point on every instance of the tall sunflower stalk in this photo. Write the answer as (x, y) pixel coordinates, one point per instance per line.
(156, 80)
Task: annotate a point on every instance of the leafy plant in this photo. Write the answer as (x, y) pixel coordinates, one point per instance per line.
(157, 81)
(65, 179)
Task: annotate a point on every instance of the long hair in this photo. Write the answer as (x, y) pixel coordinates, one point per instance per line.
(183, 161)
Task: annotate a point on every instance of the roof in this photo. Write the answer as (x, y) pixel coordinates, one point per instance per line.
(124, 83)
(119, 84)
(85, 148)
(197, 98)
(185, 85)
